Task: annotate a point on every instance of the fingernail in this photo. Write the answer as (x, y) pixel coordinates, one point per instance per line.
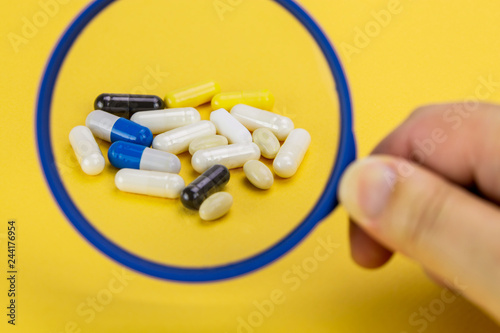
(366, 187)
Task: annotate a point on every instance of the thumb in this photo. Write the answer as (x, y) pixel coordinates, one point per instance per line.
(451, 232)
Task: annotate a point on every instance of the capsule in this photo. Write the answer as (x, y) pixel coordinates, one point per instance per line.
(125, 155)
(268, 142)
(111, 128)
(86, 150)
(216, 206)
(258, 174)
(177, 141)
(206, 142)
(262, 99)
(152, 183)
(159, 121)
(125, 106)
(192, 96)
(211, 181)
(254, 118)
(229, 127)
(292, 153)
(232, 156)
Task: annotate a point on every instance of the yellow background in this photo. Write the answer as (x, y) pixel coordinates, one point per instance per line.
(426, 52)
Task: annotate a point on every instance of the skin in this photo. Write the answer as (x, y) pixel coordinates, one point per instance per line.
(431, 191)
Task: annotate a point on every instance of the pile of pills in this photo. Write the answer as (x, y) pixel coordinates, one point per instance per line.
(146, 138)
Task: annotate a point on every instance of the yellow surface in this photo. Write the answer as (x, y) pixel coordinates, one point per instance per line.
(420, 52)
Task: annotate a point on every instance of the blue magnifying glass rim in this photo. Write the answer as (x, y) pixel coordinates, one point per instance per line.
(325, 205)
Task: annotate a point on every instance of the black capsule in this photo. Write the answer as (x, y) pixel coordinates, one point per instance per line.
(126, 105)
(211, 181)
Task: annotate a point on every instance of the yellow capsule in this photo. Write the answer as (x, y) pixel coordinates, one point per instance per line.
(192, 96)
(261, 99)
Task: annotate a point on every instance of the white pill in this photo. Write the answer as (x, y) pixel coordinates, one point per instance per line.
(292, 153)
(268, 142)
(232, 156)
(229, 127)
(216, 206)
(159, 121)
(254, 118)
(177, 141)
(259, 174)
(86, 150)
(153, 183)
(207, 142)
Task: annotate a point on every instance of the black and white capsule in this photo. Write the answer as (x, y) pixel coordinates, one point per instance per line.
(211, 181)
(124, 105)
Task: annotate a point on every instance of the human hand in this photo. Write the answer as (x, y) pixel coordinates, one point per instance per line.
(440, 209)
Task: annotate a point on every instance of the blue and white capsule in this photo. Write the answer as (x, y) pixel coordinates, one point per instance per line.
(126, 155)
(111, 128)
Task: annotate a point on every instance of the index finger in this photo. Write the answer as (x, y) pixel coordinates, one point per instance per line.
(461, 142)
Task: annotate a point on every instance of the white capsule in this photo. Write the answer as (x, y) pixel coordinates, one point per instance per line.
(86, 150)
(254, 118)
(267, 142)
(292, 153)
(258, 174)
(159, 121)
(232, 156)
(216, 206)
(229, 127)
(157, 160)
(153, 183)
(207, 142)
(177, 141)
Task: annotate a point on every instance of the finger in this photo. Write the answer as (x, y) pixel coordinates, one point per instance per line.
(442, 137)
(448, 230)
(459, 141)
(364, 250)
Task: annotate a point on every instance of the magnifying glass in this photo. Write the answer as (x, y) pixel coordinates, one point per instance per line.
(154, 46)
